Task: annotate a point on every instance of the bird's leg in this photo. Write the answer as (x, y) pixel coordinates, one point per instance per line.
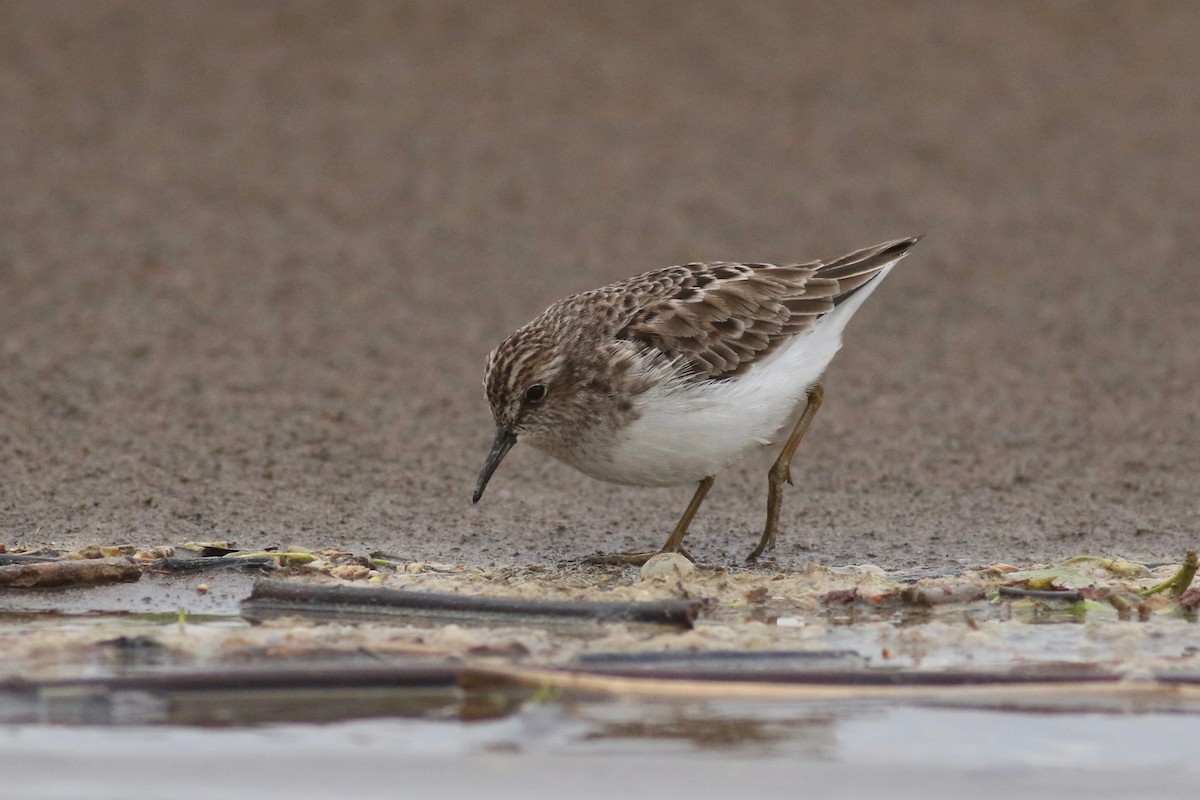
(674, 541)
(781, 471)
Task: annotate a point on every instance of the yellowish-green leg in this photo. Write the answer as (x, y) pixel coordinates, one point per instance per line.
(781, 471)
(674, 541)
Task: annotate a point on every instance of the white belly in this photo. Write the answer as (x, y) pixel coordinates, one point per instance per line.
(686, 433)
(683, 439)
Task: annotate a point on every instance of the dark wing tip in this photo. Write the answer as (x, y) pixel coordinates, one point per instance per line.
(899, 246)
(867, 260)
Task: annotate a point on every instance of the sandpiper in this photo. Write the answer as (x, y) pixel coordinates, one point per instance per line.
(669, 377)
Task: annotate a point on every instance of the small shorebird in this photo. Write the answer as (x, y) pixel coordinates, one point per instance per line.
(667, 378)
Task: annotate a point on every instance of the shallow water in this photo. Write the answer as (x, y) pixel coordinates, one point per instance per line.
(619, 749)
(83, 715)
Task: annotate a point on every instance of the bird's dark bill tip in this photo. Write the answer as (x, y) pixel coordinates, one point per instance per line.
(503, 442)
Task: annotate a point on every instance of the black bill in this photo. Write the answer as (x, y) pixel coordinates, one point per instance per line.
(505, 439)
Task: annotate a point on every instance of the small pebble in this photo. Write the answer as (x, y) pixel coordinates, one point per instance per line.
(667, 565)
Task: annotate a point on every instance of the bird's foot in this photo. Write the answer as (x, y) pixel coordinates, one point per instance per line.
(765, 546)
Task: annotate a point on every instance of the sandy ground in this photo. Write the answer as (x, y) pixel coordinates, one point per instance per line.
(252, 256)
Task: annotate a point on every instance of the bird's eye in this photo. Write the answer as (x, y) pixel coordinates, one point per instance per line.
(535, 393)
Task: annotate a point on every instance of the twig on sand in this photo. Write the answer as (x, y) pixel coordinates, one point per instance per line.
(944, 688)
(288, 556)
(257, 563)
(89, 572)
(281, 598)
(21, 558)
(947, 594)
(1068, 596)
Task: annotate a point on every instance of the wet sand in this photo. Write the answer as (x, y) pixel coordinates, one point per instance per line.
(252, 258)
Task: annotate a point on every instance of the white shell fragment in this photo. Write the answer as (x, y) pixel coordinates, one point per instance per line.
(667, 565)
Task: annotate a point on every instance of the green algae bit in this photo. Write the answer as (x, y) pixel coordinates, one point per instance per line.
(1180, 581)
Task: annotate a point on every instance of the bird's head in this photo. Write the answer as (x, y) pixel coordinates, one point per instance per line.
(533, 388)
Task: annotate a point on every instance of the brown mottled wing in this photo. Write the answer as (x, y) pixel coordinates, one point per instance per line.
(722, 317)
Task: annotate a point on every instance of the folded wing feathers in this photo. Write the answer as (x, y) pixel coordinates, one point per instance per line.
(724, 317)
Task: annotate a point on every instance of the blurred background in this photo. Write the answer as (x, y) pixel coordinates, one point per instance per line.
(253, 255)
